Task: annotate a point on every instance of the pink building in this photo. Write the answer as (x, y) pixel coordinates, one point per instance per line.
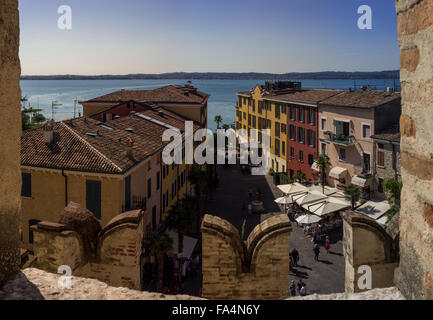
(346, 123)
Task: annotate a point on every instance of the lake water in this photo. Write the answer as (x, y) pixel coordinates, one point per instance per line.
(41, 93)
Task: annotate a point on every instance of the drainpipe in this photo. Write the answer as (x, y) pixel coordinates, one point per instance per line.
(66, 187)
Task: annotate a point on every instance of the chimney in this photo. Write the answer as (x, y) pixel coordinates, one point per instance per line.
(161, 113)
(130, 149)
(49, 132)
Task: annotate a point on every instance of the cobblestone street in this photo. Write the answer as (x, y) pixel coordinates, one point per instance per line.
(230, 201)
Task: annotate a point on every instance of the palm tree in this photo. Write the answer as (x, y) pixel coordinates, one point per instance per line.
(299, 176)
(218, 119)
(354, 193)
(160, 245)
(199, 177)
(180, 217)
(226, 126)
(323, 163)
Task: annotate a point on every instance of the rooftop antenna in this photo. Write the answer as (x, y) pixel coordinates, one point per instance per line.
(54, 104)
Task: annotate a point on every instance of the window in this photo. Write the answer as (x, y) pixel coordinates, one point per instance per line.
(93, 196)
(366, 131)
(323, 148)
(366, 162)
(312, 116)
(283, 148)
(342, 154)
(32, 223)
(310, 159)
(292, 152)
(249, 120)
(284, 110)
(292, 113)
(283, 128)
(158, 178)
(380, 158)
(311, 138)
(149, 188)
(301, 115)
(277, 129)
(301, 156)
(277, 147)
(26, 186)
(277, 111)
(380, 186)
(254, 122)
(245, 116)
(292, 132)
(254, 105)
(323, 124)
(301, 135)
(154, 218)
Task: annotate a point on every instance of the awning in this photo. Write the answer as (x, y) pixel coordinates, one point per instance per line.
(188, 244)
(315, 167)
(292, 188)
(338, 173)
(375, 208)
(360, 181)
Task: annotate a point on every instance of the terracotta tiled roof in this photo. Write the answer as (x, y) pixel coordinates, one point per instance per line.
(362, 99)
(167, 94)
(315, 95)
(388, 136)
(87, 145)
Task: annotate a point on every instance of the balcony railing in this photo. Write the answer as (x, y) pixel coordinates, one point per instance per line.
(340, 139)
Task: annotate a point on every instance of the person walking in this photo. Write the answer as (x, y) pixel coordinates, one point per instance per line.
(293, 288)
(299, 285)
(327, 245)
(295, 257)
(303, 291)
(316, 250)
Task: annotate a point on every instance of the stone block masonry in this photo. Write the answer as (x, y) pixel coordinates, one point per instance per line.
(10, 133)
(415, 28)
(255, 269)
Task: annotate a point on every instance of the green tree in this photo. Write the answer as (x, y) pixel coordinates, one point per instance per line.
(225, 126)
(393, 188)
(161, 245)
(323, 163)
(301, 177)
(354, 194)
(198, 177)
(218, 119)
(181, 218)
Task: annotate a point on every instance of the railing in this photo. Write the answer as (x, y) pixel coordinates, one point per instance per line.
(340, 139)
(137, 202)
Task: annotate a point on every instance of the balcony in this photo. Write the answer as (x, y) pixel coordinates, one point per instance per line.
(340, 139)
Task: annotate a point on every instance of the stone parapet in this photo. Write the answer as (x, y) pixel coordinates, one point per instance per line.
(255, 269)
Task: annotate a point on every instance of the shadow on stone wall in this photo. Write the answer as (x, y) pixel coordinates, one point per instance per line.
(115, 258)
(255, 269)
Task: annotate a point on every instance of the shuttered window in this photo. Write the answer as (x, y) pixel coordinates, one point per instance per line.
(381, 158)
(93, 197)
(26, 187)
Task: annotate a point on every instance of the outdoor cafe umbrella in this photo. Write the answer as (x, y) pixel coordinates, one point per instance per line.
(308, 197)
(284, 200)
(326, 206)
(308, 219)
(292, 188)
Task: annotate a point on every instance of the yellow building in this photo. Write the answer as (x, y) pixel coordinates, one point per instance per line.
(108, 167)
(256, 109)
(185, 101)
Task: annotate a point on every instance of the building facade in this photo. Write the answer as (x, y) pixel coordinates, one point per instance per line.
(346, 123)
(387, 160)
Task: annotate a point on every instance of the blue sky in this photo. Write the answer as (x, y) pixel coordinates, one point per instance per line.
(156, 36)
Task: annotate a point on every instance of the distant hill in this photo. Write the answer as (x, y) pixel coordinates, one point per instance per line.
(392, 74)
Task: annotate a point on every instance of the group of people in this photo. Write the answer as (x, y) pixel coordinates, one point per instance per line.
(316, 248)
(299, 287)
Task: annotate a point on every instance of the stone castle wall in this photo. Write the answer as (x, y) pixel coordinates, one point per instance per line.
(118, 256)
(10, 133)
(415, 29)
(366, 243)
(237, 270)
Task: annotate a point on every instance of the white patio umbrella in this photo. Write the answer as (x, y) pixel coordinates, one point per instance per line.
(292, 188)
(326, 206)
(308, 197)
(283, 200)
(308, 219)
